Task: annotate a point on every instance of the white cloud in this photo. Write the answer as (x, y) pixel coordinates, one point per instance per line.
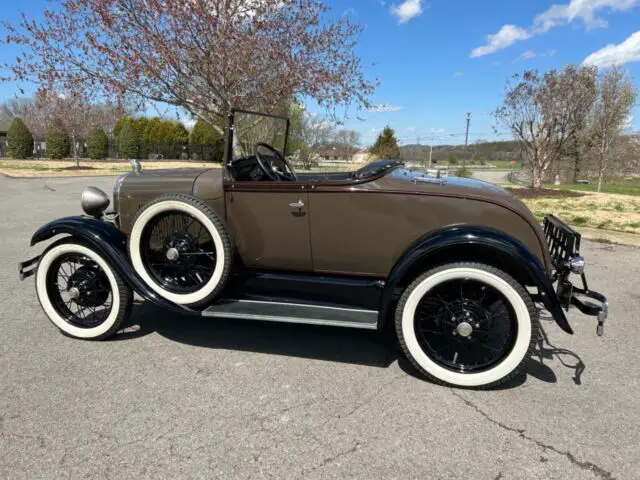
(584, 10)
(436, 131)
(349, 11)
(507, 36)
(407, 10)
(528, 54)
(411, 129)
(457, 74)
(555, 16)
(384, 107)
(612, 54)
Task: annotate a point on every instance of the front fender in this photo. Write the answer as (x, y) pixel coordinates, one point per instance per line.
(433, 245)
(111, 244)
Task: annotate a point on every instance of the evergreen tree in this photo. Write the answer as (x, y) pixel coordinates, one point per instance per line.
(207, 143)
(19, 139)
(57, 139)
(97, 144)
(128, 141)
(386, 146)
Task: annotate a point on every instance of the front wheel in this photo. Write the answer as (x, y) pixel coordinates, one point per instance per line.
(467, 325)
(80, 292)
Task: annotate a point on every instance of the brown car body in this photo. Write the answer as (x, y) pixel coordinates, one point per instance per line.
(345, 227)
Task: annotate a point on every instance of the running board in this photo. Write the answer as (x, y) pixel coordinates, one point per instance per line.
(269, 311)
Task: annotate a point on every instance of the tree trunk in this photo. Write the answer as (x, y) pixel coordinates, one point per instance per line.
(536, 176)
(75, 150)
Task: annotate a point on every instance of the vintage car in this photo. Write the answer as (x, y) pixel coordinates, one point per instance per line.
(454, 267)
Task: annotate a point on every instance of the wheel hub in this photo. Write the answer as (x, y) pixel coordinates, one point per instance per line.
(464, 329)
(173, 254)
(86, 287)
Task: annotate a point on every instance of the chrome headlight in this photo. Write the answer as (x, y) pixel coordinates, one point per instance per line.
(577, 264)
(94, 201)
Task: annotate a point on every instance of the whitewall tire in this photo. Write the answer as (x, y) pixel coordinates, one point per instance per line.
(467, 325)
(103, 300)
(189, 274)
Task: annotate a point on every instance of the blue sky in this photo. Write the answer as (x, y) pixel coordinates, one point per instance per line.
(438, 59)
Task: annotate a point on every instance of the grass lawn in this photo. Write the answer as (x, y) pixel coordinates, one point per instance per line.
(618, 188)
(62, 168)
(504, 165)
(602, 211)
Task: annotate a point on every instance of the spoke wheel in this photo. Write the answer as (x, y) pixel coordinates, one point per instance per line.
(179, 252)
(181, 249)
(80, 291)
(467, 325)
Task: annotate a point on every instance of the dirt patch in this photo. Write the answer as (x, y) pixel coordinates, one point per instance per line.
(543, 192)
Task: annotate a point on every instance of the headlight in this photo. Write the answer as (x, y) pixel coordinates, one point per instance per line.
(94, 201)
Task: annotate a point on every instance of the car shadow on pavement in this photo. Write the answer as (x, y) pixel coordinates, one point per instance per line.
(305, 341)
(317, 342)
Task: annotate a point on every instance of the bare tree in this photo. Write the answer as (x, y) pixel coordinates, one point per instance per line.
(315, 134)
(346, 141)
(205, 56)
(542, 113)
(616, 97)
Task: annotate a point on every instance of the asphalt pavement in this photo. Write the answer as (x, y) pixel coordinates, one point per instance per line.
(181, 397)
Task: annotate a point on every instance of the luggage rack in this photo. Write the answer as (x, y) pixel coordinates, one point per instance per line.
(564, 249)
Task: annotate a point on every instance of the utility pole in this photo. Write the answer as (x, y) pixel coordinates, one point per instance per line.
(466, 140)
(430, 151)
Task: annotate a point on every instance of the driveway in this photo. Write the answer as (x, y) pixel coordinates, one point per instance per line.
(180, 397)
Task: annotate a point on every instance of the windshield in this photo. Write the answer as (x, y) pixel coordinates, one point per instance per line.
(251, 128)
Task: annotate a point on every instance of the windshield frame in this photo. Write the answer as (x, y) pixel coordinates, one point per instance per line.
(228, 145)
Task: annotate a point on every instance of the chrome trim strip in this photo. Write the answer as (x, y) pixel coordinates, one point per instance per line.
(116, 191)
(304, 321)
(305, 305)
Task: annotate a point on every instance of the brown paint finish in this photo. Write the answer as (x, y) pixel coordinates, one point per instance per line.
(138, 189)
(366, 234)
(268, 233)
(352, 227)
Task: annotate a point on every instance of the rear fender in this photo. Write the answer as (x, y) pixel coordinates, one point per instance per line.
(432, 247)
(111, 244)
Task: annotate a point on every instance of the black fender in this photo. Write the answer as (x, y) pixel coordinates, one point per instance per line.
(459, 236)
(111, 244)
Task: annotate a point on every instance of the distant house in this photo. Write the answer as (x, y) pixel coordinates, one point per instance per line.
(4, 128)
(338, 154)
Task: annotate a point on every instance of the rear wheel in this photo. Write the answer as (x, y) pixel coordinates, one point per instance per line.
(80, 292)
(181, 249)
(467, 325)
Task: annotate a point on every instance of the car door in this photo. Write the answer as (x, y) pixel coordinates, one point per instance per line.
(270, 224)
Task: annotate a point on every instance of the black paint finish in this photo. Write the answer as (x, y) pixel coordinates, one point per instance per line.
(471, 236)
(111, 244)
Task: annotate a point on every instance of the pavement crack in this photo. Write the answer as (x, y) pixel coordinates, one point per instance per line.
(332, 458)
(589, 466)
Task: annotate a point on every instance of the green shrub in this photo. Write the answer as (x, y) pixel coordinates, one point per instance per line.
(206, 142)
(453, 160)
(464, 172)
(19, 140)
(580, 220)
(128, 141)
(97, 144)
(58, 143)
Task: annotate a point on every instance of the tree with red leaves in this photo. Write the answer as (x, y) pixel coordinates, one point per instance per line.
(205, 56)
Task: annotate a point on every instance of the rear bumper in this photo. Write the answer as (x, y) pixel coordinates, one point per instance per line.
(28, 268)
(564, 248)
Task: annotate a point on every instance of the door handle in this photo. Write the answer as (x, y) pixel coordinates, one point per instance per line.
(298, 204)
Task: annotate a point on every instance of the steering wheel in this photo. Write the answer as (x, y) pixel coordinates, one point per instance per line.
(273, 171)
